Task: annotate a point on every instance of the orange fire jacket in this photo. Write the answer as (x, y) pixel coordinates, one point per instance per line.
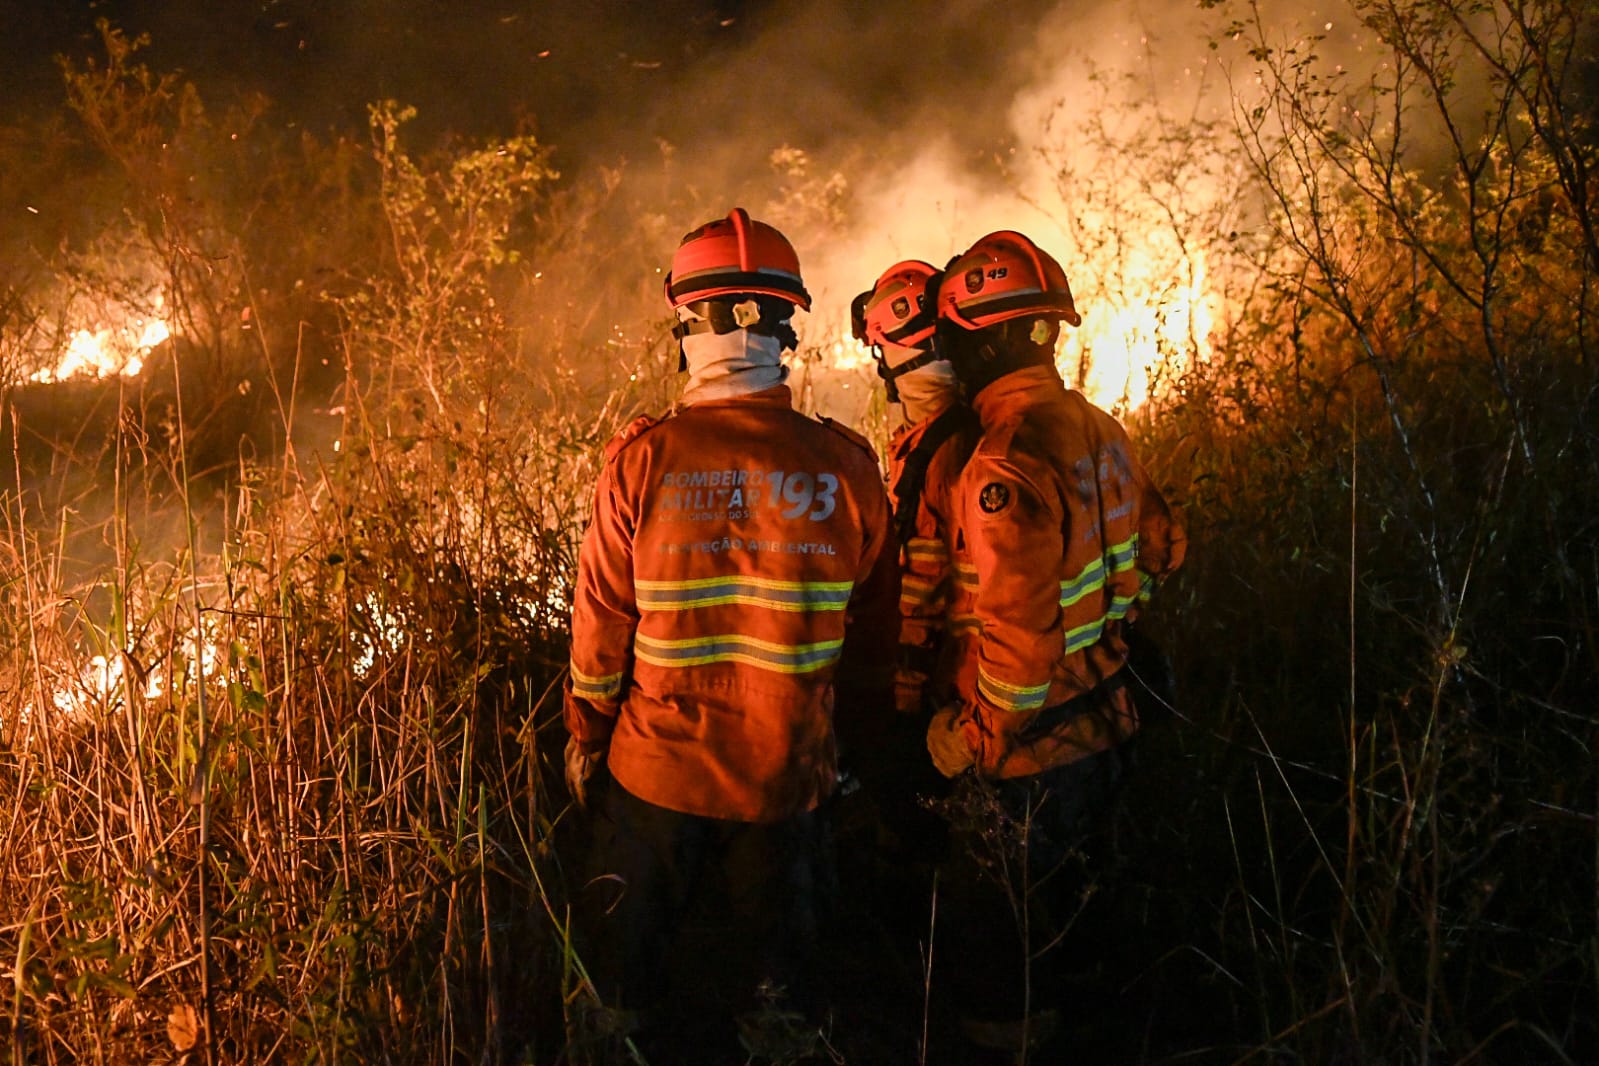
(738, 566)
(1061, 537)
(923, 675)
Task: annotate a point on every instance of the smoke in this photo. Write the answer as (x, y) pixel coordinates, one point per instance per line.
(869, 133)
(949, 123)
(876, 133)
(928, 122)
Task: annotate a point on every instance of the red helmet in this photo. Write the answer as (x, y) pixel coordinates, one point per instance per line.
(1001, 277)
(900, 309)
(735, 255)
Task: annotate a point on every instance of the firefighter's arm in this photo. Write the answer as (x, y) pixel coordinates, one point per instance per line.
(1162, 542)
(1014, 529)
(604, 618)
(925, 583)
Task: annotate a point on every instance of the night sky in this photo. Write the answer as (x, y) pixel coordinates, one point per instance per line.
(593, 79)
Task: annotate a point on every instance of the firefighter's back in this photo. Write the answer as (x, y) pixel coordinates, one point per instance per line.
(754, 527)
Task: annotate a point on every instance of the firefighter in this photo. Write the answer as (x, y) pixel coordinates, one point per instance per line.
(897, 319)
(735, 597)
(1060, 538)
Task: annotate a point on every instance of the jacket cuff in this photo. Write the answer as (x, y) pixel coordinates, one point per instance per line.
(589, 725)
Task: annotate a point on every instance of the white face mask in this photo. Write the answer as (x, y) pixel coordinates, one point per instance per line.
(927, 390)
(731, 364)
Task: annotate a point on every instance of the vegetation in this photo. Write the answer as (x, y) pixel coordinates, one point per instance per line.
(284, 614)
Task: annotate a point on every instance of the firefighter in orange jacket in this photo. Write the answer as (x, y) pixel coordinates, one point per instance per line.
(1061, 536)
(896, 318)
(735, 595)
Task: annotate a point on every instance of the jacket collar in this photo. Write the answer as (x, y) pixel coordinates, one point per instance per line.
(904, 438)
(776, 396)
(1016, 390)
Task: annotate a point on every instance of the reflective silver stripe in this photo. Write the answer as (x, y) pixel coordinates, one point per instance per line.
(1085, 636)
(1116, 559)
(595, 688)
(1010, 697)
(748, 591)
(1123, 555)
(1091, 579)
(734, 647)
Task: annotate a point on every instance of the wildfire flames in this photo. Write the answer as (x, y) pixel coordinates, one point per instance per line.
(109, 351)
(82, 694)
(1150, 331)
(1114, 354)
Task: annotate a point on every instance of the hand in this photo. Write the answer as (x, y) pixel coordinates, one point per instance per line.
(580, 766)
(947, 744)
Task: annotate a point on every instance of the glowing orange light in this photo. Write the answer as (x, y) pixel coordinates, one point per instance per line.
(1152, 323)
(108, 351)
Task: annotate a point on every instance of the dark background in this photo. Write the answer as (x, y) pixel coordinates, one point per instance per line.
(594, 79)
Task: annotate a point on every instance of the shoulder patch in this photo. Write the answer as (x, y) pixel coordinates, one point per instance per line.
(849, 435)
(630, 433)
(994, 497)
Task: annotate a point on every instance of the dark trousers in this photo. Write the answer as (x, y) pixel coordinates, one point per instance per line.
(1024, 854)
(703, 907)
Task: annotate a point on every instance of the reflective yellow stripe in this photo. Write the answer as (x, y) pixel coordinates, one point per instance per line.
(748, 591)
(925, 549)
(917, 591)
(1092, 579)
(595, 688)
(965, 623)
(1085, 636)
(1117, 559)
(1122, 556)
(737, 648)
(1010, 697)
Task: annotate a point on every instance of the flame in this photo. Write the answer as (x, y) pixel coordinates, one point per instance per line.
(386, 633)
(847, 353)
(92, 691)
(1146, 328)
(95, 686)
(1150, 328)
(109, 351)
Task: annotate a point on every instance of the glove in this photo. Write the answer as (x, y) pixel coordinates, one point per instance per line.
(947, 744)
(580, 767)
